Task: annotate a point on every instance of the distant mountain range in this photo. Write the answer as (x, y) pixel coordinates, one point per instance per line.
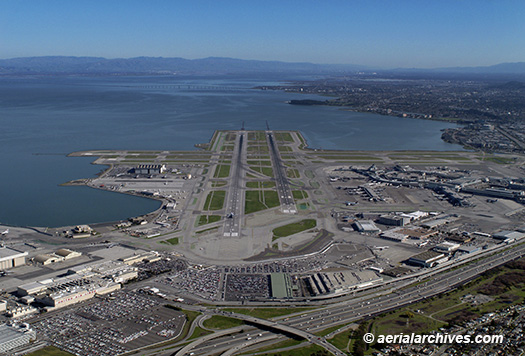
(160, 65)
(209, 66)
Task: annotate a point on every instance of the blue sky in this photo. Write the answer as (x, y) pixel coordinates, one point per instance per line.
(389, 33)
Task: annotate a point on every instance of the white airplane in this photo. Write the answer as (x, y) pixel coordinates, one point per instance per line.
(5, 232)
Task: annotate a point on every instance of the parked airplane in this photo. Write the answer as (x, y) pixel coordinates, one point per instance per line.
(5, 232)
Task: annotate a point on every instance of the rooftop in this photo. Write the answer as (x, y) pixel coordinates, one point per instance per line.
(9, 253)
(9, 333)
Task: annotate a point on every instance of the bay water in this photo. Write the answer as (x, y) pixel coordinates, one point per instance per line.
(44, 118)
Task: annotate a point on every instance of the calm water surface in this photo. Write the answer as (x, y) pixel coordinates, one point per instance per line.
(43, 119)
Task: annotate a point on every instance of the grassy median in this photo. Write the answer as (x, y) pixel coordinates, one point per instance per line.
(293, 228)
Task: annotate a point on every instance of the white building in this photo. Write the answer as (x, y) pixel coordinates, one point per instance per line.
(12, 337)
(10, 258)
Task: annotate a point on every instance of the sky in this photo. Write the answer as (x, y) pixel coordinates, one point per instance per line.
(378, 33)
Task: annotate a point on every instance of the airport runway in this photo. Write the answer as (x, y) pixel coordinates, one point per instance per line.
(281, 182)
(232, 222)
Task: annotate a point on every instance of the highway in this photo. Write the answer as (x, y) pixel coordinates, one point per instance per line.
(283, 187)
(352, 310)
(232, 221)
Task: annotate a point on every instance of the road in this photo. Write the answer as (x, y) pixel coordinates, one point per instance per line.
(283, 187)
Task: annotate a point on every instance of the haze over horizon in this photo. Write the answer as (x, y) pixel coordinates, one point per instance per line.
(380, 34)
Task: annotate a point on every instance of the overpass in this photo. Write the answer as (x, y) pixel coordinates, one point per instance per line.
(268, 324)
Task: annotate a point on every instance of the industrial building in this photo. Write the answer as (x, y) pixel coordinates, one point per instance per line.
(366, 226)
(47, 259)
(150, 169)
(67, 254)
(142, 257)
(81, 283)
(80, 231)
(508, 235)
(12, 337)
(115, 270)
(10, 258)
(400, 234)
(60, 255)
(72, 295)
(469, 249)
(446, 247)
(394, 235)
(427, 259)
(20, 311)
(394, 220)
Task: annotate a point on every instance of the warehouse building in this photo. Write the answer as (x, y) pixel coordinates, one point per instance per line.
(427, 259)
(12, 337)
(366, 226)
(10, 258)
(469, 249)
(67, 254)
(73, 295)
(80, 231)
(446, 247)
(81, 283)
(21, 310)
(142, 257)
(394, 235)
(59, 256)
(150, 169)
(47, 259)
(402, 233)
(508, 235)
(394, 220)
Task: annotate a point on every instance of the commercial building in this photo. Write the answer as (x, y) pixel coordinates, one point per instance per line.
(10, 258)
(12, 337)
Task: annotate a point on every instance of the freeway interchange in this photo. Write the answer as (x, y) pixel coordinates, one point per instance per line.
(260, 332)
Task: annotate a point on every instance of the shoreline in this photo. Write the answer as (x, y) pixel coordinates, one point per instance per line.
(85, 182)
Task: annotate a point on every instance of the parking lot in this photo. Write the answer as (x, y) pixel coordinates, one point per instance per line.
(112, 325)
